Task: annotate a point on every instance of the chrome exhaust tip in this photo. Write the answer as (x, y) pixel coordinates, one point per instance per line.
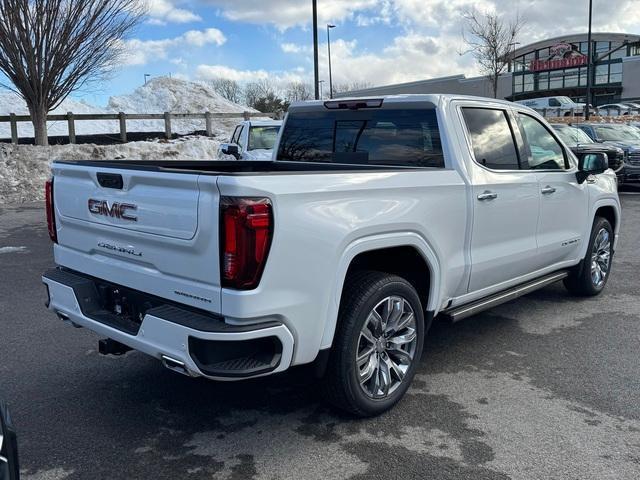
(175, 365)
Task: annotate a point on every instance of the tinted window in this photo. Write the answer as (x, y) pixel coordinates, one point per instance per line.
(262, 138)
(374, 137)
(545, 153)
(491, 137)
(614, 133)
(573, 135)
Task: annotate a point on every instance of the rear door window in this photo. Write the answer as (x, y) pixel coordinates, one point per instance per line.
(545, 152)
(491, 138)
(408, 138)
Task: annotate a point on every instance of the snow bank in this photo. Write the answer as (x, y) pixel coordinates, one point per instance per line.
(24, 168)
(159, 95)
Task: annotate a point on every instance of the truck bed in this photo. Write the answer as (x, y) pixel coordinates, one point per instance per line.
(214, 167)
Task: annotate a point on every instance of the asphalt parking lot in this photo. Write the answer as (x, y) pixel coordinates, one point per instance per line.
(545, 387)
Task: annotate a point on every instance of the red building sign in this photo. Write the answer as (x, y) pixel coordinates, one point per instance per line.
(562, 55)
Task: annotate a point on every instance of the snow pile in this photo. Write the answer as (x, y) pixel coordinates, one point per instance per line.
(159, 95)
(164, 94)
(24, 168)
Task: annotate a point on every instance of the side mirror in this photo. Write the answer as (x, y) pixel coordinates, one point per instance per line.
(9, 468)
(592, 164)
(231, 149)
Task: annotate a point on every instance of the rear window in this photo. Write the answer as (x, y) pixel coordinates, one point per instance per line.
(382, 137)
(262, 138)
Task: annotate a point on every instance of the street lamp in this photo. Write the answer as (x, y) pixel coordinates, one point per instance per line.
(146, 75)
(589, 65)
(314, 4)
(329, 27)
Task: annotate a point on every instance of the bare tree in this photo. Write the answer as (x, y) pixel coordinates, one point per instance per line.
(490, 39)
(227, 88)
(340, 88)
(298, 92)
(50, 48)
(263, 95)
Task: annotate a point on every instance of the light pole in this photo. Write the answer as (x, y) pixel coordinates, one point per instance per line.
(315, 48)
(329, 27)
(589, 65)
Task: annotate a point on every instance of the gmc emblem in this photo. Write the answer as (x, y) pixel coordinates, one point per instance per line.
(115, 210)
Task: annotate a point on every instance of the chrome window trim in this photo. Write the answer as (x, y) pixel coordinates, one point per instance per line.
(465, 130)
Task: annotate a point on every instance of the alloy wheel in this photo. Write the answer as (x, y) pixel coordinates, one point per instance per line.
(386, 347)
(600, 257)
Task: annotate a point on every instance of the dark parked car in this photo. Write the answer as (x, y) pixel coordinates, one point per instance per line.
(581, 144)
(618, 135)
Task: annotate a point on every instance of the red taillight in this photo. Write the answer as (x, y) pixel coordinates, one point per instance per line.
(246, 228)
(51, 216)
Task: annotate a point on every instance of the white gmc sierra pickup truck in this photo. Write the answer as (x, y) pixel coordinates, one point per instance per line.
(374, 216)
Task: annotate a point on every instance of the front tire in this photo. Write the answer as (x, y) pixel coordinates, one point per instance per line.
(590, 278)
(377, 345)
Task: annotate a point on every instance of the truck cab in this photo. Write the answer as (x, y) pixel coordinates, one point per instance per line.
(252, 140)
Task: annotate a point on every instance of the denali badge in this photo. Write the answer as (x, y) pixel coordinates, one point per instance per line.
(116, 248)
(117, 210)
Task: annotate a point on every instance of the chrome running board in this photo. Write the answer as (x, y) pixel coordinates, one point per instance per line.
(459, 313)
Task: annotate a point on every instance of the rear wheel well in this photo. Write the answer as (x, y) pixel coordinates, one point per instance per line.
(609, 213)
(405, 262)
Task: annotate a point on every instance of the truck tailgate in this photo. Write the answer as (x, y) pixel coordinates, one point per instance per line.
(152, 231)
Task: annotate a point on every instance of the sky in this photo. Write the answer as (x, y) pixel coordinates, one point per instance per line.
(375, 41)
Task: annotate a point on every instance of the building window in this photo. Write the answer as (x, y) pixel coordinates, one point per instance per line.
(528, 82)
(543, 81)
(555, 79)
(583, 76)
(602, 74)
(615, 72)
(601, 48)
(620, 53)
(517, 83)
(571, 77)
(634, 49)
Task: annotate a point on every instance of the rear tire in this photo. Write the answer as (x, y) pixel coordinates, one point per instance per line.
(591, 276)
(377, 345)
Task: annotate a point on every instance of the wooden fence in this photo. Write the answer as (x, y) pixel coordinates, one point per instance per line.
(122, 118)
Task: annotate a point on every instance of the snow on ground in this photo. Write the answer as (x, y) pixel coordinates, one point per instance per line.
(25, 168)
(159, 95)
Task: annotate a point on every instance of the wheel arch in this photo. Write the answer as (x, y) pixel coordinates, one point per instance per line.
(374, 253)
(608, 208)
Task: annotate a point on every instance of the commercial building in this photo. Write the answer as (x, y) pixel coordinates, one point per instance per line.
(556, 66)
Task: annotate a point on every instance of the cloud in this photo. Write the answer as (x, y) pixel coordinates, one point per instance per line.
(141, 52)
(294, 48)
(166, 11)
(278, 78)
(427, 34)
(288, 13)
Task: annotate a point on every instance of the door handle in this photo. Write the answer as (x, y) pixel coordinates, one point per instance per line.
(548, 190)
(487, 195)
